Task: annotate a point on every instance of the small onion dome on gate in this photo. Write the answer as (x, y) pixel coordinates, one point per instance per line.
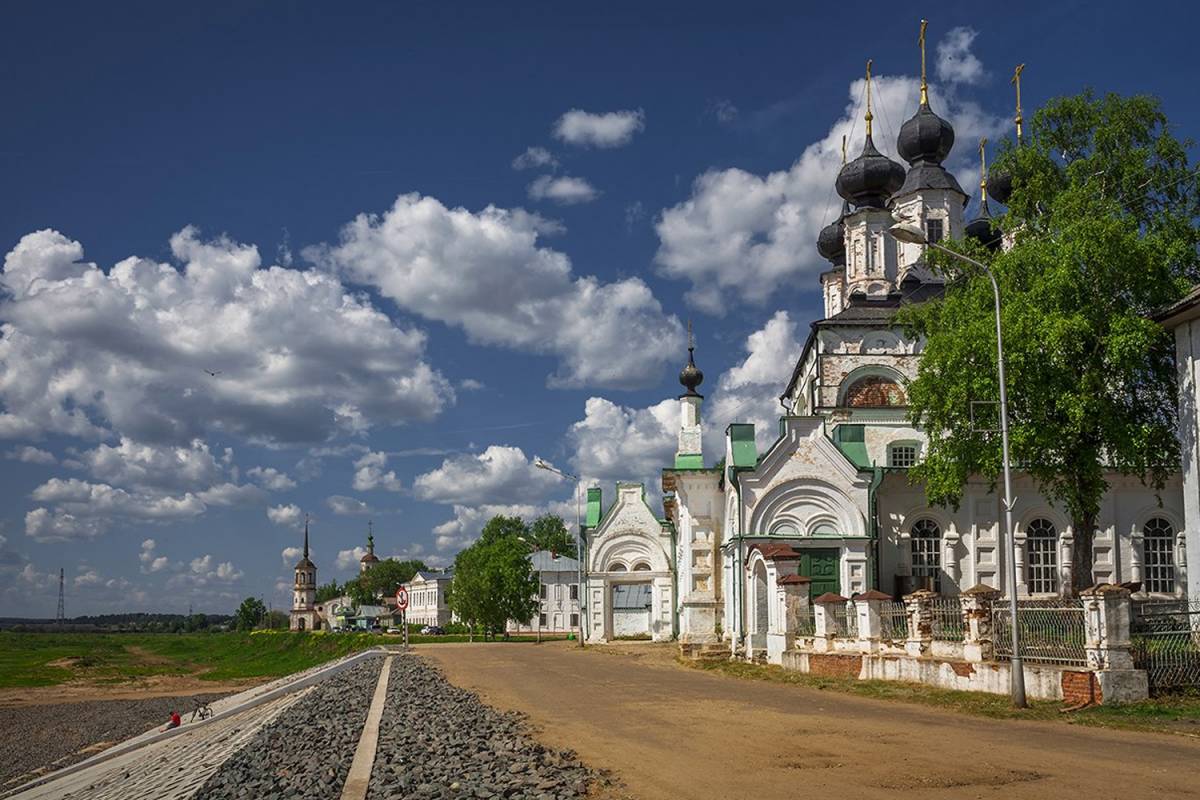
(690, 376)
(983, 228)
(869, 180)
(831, 242)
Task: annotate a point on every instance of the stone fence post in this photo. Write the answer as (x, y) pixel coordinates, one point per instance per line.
(794, 589)
(1107, 618)
(978, 603)
(828, 626)
(868, 606)
(920, 622)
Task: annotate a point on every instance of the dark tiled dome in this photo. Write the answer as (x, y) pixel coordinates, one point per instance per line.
(831, 242)
(925, 137)
(869, 180)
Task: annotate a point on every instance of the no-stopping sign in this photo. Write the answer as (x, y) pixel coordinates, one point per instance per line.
(401, 598)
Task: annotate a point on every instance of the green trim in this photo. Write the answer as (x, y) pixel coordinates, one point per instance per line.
(689, 461)
(851, 440)
(594, 497)
(741, 440)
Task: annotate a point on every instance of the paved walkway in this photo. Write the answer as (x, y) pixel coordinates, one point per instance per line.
(670, 732)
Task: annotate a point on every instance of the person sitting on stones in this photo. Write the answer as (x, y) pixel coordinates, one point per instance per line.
(175, 721)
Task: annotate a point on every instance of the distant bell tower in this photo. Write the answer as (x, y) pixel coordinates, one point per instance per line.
(304, 591)
(689, 454)
(370, 559)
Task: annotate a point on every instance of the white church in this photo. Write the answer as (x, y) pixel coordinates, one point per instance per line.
(832, 491)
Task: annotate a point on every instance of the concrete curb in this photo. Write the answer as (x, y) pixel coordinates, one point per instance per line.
(138, 742)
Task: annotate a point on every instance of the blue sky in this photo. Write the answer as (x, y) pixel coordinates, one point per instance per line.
(326, 208)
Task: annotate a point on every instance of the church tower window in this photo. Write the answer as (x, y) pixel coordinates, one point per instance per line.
(934, 230)
(902, 455)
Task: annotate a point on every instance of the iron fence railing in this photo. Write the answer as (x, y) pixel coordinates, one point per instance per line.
(845, 618)
(948, 619)
(1050, 631)
(893, 622)
(806, 622)
(1165, 641)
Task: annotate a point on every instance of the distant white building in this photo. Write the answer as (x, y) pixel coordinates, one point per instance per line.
(427, 598)
(558, 595)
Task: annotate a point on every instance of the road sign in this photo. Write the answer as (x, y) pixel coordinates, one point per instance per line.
(401, 598)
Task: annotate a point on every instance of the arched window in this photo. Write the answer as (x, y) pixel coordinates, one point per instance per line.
(824, 529)
(874, 391)
(641, 566)
(617, 566)
(1042, 545)
(927, 555)
(1159, 546)
(784, 529)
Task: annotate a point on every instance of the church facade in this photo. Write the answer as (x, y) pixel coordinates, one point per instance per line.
(832, 491)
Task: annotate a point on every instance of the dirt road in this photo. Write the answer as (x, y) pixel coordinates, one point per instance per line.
(670, 732)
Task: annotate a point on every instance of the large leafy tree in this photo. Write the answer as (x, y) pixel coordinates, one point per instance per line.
(382, 579)
(493, 578)
(328, 591)
(249, 614)
(1103, 221)
(549, 532)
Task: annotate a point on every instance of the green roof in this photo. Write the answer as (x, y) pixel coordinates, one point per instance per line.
(851, 440)
(593, 507)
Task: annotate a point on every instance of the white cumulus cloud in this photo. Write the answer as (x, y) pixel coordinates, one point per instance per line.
(369, 474)
(534, 158)
(562, 189)
(271, 478)
(288, 514)
(31, 455)
(499, 474)
(347, 506)
(608, 129)
(486, 273)
(350, 558)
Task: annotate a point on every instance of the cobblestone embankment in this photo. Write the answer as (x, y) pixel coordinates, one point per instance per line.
(306, 752)
(439, 741)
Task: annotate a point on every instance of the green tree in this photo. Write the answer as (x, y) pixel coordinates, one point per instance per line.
(381, 581)
(549, 532)
(249, 614)
(276, 620)
(328, 591)
(493, 578)
(1103, 222)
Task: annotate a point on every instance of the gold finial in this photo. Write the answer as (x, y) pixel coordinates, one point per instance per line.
(983, 170)
(870, 116)
(924, 83)
(691, 337)
(843, 150)
(1016, 81)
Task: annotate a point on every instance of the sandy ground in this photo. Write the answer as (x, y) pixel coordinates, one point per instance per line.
(153, 686)
(668, 732)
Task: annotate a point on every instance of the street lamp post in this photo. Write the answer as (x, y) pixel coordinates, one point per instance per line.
(581, 595)
(912, 234)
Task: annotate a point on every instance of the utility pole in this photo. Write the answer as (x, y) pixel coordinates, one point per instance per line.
(61, 616)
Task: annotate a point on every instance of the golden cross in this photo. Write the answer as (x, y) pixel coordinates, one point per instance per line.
(983, 168)
(691, 338)
(869, 115)
(843, 150)
(1016, 81)
(924, 84)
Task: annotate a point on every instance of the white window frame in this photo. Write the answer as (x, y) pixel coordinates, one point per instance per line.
(891, 454)
(1041, 556)
(1158, 561)
(925, 540)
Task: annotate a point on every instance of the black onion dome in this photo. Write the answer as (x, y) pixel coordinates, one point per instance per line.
(983, 228)
(831, 241)
(1000, 184)
(925, 137)
(691, 376)
(870, 179)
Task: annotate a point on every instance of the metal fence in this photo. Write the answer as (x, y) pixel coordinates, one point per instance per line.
(1050, 631)
(806, 623)
(844, 617)
(948, 619)
(893, 621)
(1165, 641)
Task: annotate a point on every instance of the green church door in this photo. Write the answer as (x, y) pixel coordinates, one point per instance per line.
(822, 567)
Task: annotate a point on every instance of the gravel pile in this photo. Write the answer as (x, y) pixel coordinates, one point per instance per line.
(306, 752)
(439, 741)
(56, 735)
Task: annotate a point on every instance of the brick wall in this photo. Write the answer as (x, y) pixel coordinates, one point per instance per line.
(1079, 688)
(834, 666)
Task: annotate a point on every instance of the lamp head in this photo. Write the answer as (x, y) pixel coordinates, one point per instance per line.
(908, 233)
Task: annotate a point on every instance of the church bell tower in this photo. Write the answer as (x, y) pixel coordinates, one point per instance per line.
(689, 453)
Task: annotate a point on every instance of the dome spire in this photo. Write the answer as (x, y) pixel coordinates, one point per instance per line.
(690, 376)
(983, 206)
(924, 83)
(306, 536)
(869, 115)
(1016, 81)
(982, 229)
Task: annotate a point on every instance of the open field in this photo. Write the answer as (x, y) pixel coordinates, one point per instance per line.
(671, 731)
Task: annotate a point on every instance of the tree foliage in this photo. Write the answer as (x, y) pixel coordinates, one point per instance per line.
(549, 532)
(1103, 220)
(493, 578)
(328, 591)
(249, 614)
(381, 580)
